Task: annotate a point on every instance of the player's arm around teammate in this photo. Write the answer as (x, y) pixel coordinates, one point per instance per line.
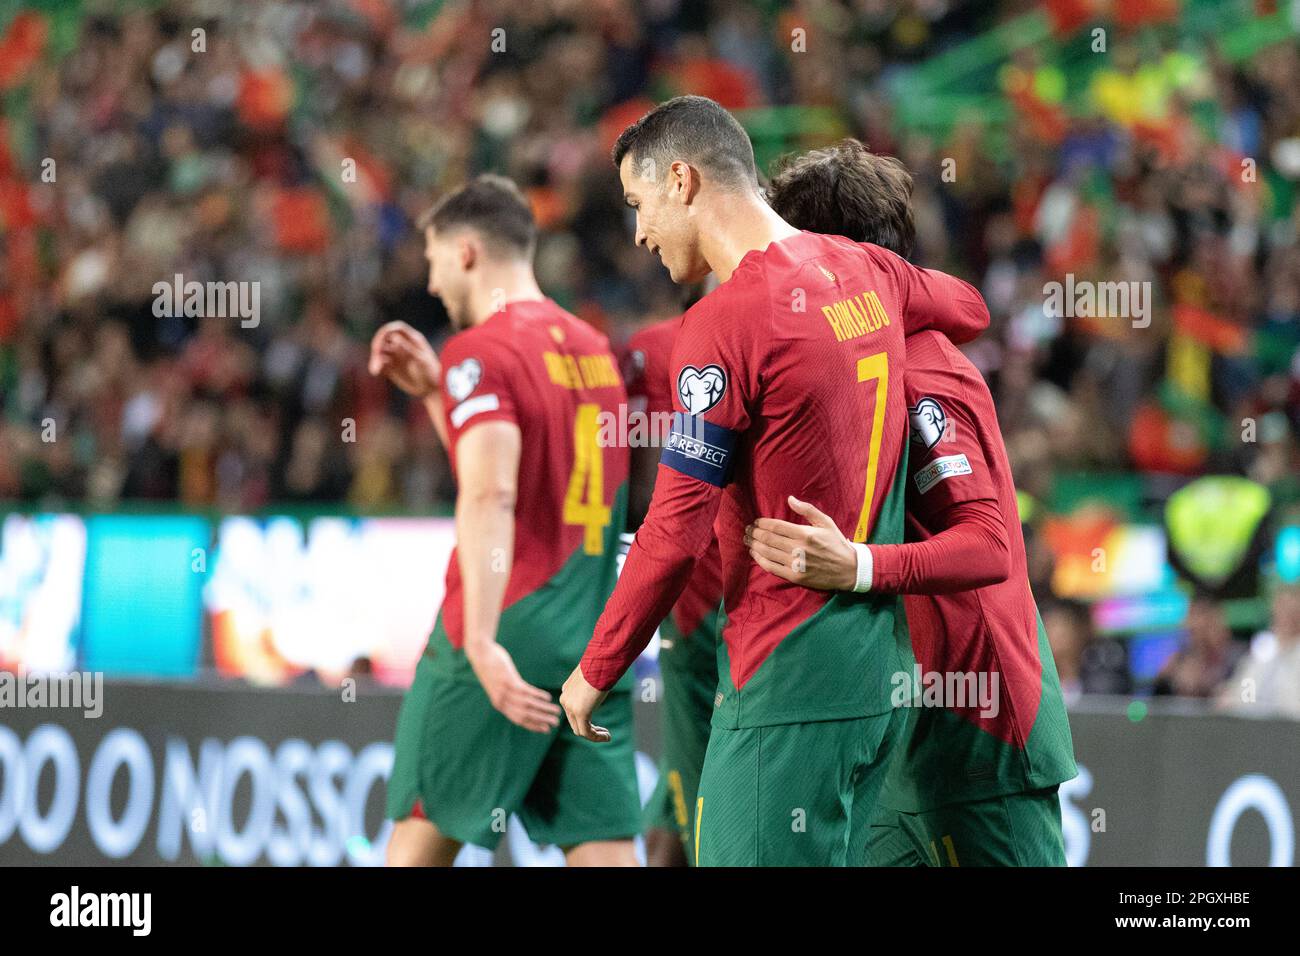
(970, 553)
(963, 510)
(848, 191)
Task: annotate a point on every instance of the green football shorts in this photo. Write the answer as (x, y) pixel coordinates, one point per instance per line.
(461, 764)
(786, 795)
(1022, 829)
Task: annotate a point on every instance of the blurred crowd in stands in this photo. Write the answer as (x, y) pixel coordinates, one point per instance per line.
(292, 143)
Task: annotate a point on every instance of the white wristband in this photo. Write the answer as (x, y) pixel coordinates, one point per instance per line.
(863, 582)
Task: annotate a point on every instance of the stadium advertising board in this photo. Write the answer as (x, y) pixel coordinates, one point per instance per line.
(286, 597)
(133, 596)
(42, 566)
(230, 775)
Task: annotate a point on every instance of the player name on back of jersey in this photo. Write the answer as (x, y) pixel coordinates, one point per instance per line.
(856, 316)
(581, 371)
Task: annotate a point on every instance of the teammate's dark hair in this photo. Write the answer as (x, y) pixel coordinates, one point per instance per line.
(694, 129)
(491, 205)
(847, 190)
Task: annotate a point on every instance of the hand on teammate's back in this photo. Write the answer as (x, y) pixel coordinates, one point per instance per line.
(523, 704)
(404, 356)
(815, 555)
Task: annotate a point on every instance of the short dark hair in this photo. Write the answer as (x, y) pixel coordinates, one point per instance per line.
(694, 129)
(847, 190)
(492, 205)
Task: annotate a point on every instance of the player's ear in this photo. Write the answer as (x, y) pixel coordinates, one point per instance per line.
(468, 252)
(683, 182)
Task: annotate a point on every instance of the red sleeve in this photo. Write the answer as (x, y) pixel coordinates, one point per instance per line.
(676, 532)
(971, 552)
(475, 383)
(951, 488)
(934, 300)
(713, 378)
(946, 464)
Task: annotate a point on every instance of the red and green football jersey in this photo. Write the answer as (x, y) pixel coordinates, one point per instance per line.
(788, 381)
(555, 377)
(989, 640)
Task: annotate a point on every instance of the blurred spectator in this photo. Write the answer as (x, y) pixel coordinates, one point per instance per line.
(1085, 662)
(294, 148)
(1267, 680)
(1200, 667)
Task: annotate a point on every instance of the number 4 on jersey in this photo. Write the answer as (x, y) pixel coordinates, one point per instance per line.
(584, 504)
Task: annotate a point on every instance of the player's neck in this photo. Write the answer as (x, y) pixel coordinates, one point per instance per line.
(740, 225)
(501, 285)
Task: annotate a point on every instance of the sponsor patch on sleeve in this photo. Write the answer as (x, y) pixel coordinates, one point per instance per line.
(939, 469)
(699, 449)
(471, 407)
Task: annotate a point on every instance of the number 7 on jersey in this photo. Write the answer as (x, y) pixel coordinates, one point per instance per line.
(873, 368)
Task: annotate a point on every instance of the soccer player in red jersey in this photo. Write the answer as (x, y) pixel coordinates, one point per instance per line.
(688, 637)
(517, 397)
(975, 779)
(788, 372)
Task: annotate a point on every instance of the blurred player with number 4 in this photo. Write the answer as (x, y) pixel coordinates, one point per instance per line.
(517, 399)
